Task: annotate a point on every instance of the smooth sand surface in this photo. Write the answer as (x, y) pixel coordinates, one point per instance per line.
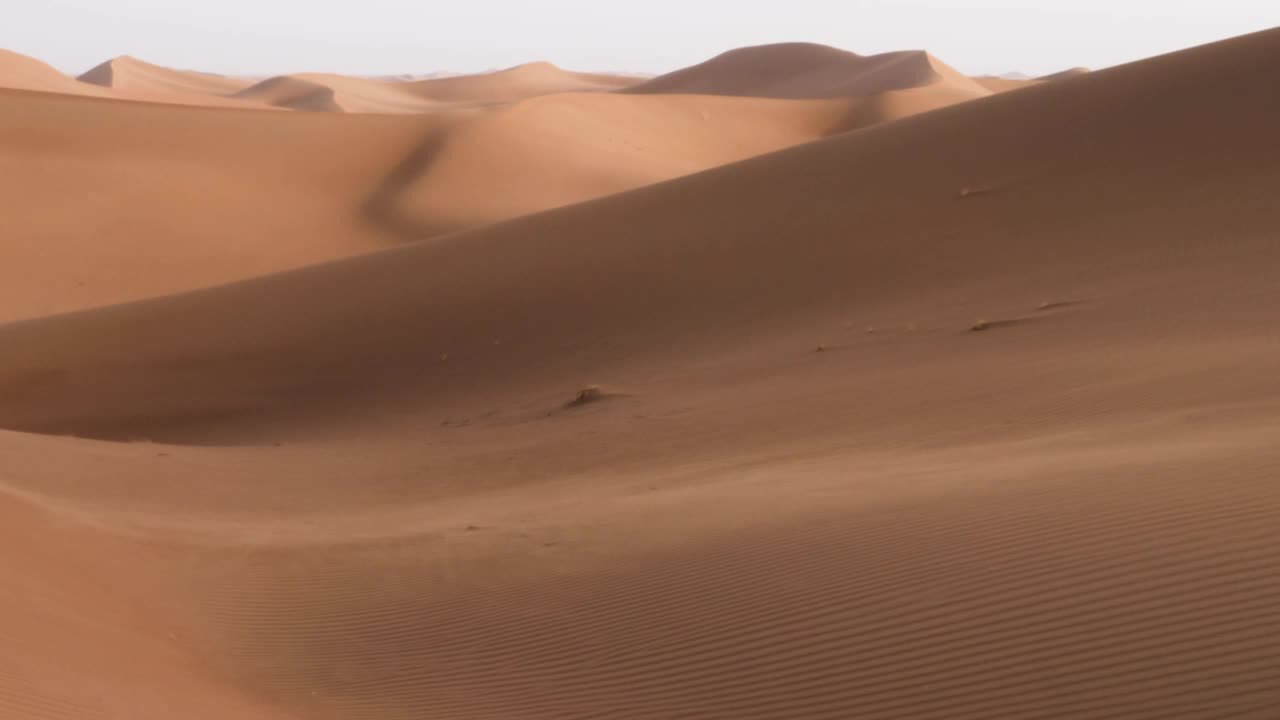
(115, 201)
(969, 414)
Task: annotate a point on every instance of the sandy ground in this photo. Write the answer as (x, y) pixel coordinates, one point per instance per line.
(713, 403)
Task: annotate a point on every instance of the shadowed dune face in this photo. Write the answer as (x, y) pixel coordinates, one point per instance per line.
(1030, 472)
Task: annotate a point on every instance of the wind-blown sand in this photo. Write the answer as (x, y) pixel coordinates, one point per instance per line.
(970, 414)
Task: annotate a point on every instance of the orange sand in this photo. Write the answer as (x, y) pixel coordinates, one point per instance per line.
(968, 414)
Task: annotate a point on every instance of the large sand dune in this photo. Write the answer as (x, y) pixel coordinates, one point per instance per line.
(170, 199)
(803, 70)
(967, 415)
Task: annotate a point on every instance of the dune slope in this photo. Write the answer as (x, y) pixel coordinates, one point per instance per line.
(170, 199)
(969, 415)
(113, 201)
(566, 148)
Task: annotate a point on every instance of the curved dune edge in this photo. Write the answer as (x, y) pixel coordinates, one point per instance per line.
(898, 426)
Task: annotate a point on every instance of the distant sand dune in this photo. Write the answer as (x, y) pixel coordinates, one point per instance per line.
(1069, 73)
(313, 91)
(20, 72)
(1001, 84)
(516, 83)
(335, 93)
(128, 73)
(802, 70)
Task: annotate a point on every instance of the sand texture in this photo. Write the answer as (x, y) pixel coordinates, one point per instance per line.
(793, 385)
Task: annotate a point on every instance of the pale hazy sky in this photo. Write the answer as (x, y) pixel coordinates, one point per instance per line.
(418, 36)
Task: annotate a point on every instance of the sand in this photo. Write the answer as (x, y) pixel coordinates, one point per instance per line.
(319, 92)
(804, 70)
(26, 73)
(177, 198)
(967, 414)
(129, 73)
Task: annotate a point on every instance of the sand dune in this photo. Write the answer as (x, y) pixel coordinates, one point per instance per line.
(567, 148)
(128, 73)
(25, 73)
(294, 93)
(114, 201)
(517, 83)
(966, 415)
(998, 84)
(185, 198)
(1005, 84)
(136, 81)
(328, 92)
(336, 93)
(803, 70)
(1064, 74)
